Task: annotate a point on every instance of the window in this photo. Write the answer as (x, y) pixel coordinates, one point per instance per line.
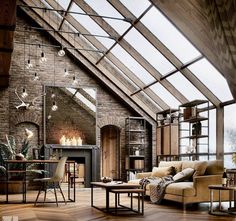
(132, 64)
(136, 9)
(165, 95)
(185, 87)
(149, 52)
(102, 7)
(160, 26)
(91, 26)
(205, 71)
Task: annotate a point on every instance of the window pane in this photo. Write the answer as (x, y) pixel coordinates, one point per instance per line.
(91, 26)
(165, 95)
(206, 72)
(148, 51)
(169, 35)
(102, 7)
(228, 163)
(132, 64)
(136, 8)
(212, 131)
(185, 87)
(64, 3)
(229, 128)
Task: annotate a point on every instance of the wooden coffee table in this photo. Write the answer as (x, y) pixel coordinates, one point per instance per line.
(108, 187)
(231, 190)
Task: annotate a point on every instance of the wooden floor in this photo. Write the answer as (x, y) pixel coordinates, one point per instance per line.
(82, 211)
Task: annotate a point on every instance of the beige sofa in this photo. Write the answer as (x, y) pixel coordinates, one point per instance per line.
(194, 190)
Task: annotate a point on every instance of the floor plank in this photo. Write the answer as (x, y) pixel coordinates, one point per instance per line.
(82, 211)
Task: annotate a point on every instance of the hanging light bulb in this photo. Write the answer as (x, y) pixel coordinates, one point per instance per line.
(66, 72)
(75, 81)
(54, 106)
(43, 59)
(24, 93)
(36, 77)
(53, 95)
(29, 64)
(61, 52)
(49, 116)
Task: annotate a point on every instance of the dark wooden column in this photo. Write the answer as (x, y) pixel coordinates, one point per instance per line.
(7, 27)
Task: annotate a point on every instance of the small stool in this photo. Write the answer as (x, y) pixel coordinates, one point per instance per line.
(140, 193)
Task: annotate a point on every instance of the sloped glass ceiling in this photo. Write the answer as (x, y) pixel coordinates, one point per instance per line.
(135, 48)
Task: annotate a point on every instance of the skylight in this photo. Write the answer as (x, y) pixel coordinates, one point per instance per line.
(165, 95)
(63, 3)
(205, 71)
(91, 26)
(148, 51)
(136, 9)
(185, 87)
(160, 26)
(132, 64)
(102, 7)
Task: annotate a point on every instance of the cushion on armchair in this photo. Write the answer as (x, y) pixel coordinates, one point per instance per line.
(162, 171)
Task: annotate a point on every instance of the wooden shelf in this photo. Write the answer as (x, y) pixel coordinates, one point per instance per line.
(194, 119)
(166, 125)
(194, 136)
(194, 103)
(136, 156)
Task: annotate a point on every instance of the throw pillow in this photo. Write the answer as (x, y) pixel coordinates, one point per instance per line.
(176, 164)
(162, 171)
(185, 174)
(198, 166)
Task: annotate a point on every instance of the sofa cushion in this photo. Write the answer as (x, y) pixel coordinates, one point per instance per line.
(183, 175)
(198, 166)
(176, 164)
(181, 189)
(214, 167)
(162, 171)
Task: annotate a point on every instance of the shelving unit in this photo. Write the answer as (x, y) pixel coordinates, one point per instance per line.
(135, 139)
(194, 128)
(167, 132)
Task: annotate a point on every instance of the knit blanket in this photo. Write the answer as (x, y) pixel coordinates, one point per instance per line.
(157, 186)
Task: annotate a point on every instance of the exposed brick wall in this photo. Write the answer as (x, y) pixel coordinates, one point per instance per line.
(110, 109)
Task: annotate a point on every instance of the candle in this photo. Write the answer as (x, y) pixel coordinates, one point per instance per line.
(79, 141)
(63, 140)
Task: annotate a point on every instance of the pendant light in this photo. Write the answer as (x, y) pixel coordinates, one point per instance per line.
(43, 58)
(24, 92)
(75, 81)
(61, 52)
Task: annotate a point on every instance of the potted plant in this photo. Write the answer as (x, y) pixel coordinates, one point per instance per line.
(8, 151)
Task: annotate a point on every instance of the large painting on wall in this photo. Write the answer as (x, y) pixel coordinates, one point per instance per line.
(70, 116)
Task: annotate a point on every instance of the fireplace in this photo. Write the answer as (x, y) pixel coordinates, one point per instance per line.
(89, 155)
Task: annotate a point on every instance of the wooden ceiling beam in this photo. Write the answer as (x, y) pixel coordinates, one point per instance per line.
(169, 55)
(112, 58)
(108, 76)
(7, 27)
(135, 54)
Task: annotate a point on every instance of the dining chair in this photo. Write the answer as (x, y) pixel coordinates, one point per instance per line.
(55, 181)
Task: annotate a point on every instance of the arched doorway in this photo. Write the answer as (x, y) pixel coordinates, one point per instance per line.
(110, 151)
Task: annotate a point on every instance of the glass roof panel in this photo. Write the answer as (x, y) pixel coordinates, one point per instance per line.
(136, 9)
(169, 35)
(147, 100)
(165, 95)
(63, 3)
(91, 26)
(212, 78)
(132, 64)
(148, 51)
(185, 87)
(102, 7)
